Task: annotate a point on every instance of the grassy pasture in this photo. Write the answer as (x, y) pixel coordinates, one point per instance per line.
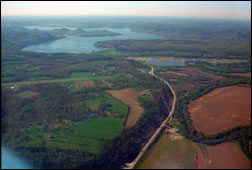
(169, 154)
(25, 93)
(87, 75)
(118, 108)
(87, 135)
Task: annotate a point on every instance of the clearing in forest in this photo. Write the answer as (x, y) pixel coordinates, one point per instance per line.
(221, 109)
(222, 156)
(129, 97)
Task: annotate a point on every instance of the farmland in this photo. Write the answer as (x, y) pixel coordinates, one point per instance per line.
(241, 74)
(169, 153)
(128, 97)
(181, 153)
(98, 109)
(221, 109)
(222, 156)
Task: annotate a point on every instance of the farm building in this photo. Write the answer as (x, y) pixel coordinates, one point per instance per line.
(176, 130)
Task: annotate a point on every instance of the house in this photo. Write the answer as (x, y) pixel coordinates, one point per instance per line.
(50, 137)
(176, 130)
(143, 94)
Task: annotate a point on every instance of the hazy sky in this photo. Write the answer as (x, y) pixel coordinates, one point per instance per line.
(210, 9)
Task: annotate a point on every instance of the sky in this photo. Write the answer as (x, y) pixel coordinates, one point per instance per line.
(205, 9)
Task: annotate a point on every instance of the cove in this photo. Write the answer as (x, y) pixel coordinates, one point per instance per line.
(76, 44)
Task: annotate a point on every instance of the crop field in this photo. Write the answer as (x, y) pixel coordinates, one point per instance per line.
(87, 135)
(221, 109)
(87, 75)
(88, 83)
(40, 78)
(188, 78)
(62, 139)
(27, 94)
(221, 156)
(156, 58)
(117, 107)
(170, 153)
(241, 74)
(192, 71)
(129, 97)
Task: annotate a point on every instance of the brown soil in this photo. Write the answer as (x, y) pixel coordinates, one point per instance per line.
(32, 95)
(196, 162)
(54, 126)
(241, 74)
(177, 73)
(192, 71)
(223, 156)
(89, 83)
(176, 137)
(221, 109)
(129, 97)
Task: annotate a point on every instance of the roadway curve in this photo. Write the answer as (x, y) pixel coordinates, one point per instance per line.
(153, 137)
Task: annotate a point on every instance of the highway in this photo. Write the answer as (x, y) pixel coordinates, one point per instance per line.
(153, 137)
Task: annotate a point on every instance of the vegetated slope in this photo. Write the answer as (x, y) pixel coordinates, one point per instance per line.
(221, 109)
(19, 37)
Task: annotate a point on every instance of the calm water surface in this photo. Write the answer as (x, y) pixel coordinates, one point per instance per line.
(10, 161)
(76, 44)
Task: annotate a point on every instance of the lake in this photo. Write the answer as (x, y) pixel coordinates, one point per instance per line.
(165, 63)
(10, 161)
(76, 44)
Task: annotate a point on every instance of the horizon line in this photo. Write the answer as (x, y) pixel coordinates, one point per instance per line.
(100, 15)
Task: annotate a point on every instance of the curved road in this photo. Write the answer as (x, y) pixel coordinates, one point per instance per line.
(153, 137)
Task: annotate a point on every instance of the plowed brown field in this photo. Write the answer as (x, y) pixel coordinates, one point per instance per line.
(222, 156)
(221, 109)
(194, 72)
(129, 97)
(88, 83)
(242, 74)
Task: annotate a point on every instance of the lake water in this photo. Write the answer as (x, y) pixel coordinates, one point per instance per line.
(165, 63)
(76, 44)
(10, 161)
(161, 62)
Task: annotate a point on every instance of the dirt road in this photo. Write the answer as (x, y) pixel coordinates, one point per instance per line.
(153, 137)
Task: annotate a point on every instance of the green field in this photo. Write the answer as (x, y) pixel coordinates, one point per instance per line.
(87, 135)
(40, 78)
(169, 154)
(117, 108)
(62, 139)
(100, 128)
(87, 75)
(111, 52)
(25, 93)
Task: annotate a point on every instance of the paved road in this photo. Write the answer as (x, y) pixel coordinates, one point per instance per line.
(132, 164)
